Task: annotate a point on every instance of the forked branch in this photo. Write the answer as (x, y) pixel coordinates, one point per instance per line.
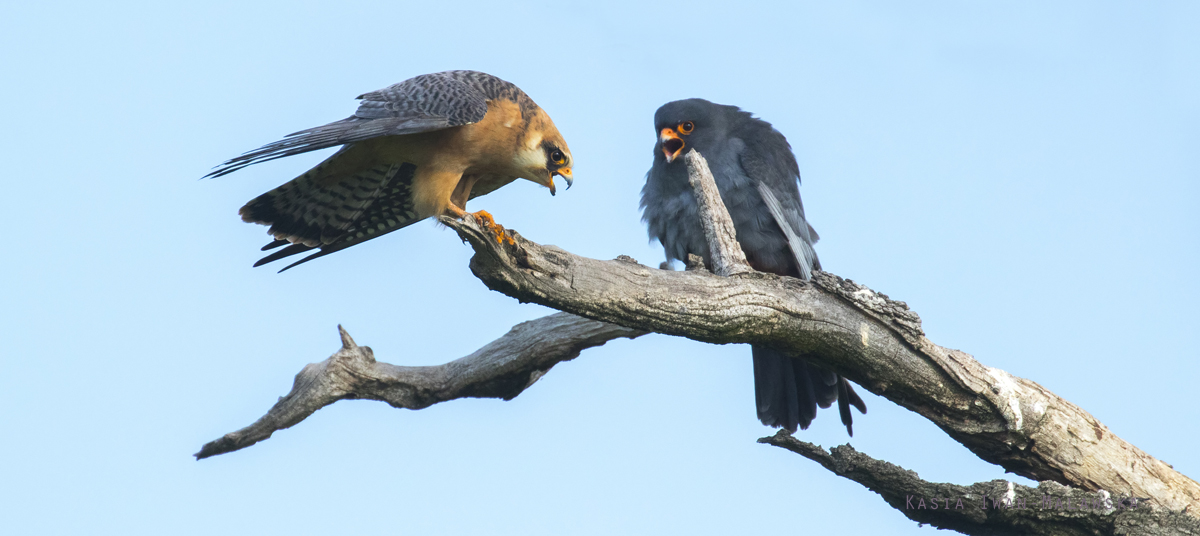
(841, 325)
(502, 369)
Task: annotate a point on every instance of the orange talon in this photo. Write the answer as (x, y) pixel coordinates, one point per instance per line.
(490, 224)
(484, 218)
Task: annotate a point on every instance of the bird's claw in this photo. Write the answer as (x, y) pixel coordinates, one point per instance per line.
(490, 224)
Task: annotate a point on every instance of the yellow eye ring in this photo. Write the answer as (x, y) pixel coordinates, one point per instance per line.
(557, 157)
(686, 127)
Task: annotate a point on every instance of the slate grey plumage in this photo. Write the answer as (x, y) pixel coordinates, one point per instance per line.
(747, 157)
(420, 104)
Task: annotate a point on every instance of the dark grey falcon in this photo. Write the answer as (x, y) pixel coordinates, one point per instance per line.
(758, 178)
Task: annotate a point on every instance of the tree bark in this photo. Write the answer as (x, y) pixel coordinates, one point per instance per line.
(854, 331)
(996, 507)
(727, 255)
(502, 369)
(841, 325)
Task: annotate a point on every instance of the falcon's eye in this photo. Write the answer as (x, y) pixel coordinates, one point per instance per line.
(686, 127)
(557, 157)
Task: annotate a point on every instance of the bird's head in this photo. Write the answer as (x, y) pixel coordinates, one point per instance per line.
(545, 154)
(689, 124)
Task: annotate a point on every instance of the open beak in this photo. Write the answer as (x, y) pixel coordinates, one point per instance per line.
(566, 175)
(672, 145)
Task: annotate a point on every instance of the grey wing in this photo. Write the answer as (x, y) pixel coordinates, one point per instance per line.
(769, 160)
(419, 104)
(806, 257)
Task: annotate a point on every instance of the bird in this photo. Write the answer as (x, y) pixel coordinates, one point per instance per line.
(413, 150)
(757, 177)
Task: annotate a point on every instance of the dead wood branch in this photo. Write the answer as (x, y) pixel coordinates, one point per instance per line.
(727, 255)
(502, 369)
(859, 333)
(996, 507)
(841, 325)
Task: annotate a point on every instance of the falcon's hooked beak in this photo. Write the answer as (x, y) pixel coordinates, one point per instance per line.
(566, 175)
(672, 144)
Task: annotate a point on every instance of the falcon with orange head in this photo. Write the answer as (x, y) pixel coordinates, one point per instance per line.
(413, 150)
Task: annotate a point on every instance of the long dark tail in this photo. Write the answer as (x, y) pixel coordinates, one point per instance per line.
(788, 391)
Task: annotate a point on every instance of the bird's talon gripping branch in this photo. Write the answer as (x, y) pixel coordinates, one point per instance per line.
(484, 218)
(489, 223)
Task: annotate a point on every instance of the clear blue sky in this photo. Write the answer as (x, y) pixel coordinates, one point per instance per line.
(1024, 176)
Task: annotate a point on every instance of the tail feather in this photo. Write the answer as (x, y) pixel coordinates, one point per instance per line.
(330, 209)
(854, 399)
(825, 379)
(844, 406)
(285, 252)
(788, 391)
(274, 244)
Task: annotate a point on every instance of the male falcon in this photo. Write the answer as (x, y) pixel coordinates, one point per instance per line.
(412, 150)
(758, 179)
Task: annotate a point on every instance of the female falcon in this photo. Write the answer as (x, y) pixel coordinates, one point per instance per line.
(413, 150)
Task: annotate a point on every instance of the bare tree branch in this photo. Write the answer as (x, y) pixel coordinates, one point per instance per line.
(859, 333)
(502, 369)
(996, 507)
(841, 325)
(727, 255)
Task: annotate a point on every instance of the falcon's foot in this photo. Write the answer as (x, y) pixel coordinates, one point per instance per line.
(490, 224)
